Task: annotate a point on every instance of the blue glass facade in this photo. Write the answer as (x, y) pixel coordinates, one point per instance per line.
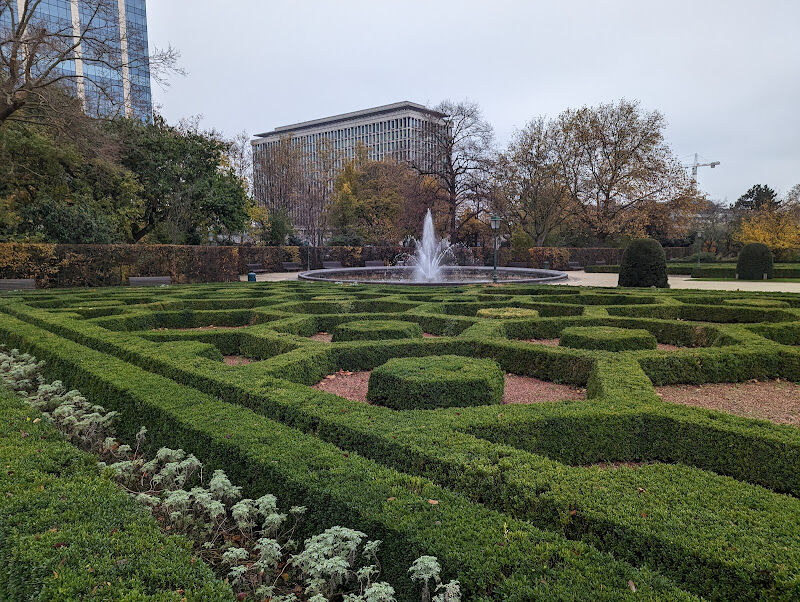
(115, 82)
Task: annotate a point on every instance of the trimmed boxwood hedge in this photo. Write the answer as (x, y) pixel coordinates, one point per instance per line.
(754, 262)
(376, 330)
(423, 383)
(607, 338)
(56, 546)
(644, 263)
(716, 536)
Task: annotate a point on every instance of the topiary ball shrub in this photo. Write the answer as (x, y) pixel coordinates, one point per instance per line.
(644, 263)
(426, 383)
(607, 338)
(507, 313)
(376, 330)
(755, 262)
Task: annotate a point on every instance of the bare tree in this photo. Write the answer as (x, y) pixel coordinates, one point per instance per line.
(459, 161)
(41, 56)
(278, 174)
(530, 189)
(240, 157)
(318, 183)
(289, 178)
(614, 159)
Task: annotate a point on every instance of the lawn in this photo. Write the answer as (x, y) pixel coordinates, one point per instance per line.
(610, 494)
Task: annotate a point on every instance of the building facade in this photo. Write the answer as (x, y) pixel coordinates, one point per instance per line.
(402, 131)
(106, 85)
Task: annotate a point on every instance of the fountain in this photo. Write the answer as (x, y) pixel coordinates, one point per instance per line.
(430, 254)
(430, 265)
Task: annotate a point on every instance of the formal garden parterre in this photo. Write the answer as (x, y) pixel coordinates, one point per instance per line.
(618, 495)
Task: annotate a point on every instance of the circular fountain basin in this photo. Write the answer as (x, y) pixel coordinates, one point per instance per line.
(450, 276)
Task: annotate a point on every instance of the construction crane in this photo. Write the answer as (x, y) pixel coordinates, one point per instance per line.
(697, 164)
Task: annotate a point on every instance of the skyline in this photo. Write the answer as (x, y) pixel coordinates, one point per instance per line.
(724, 97)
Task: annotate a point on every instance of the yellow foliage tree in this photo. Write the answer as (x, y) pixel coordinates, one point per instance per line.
(776, 229)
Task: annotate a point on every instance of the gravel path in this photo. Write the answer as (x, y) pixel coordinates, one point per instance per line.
(777, 400)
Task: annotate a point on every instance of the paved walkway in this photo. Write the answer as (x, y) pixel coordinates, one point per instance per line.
(581, 278)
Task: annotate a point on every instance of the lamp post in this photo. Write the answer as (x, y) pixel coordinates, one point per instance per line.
(699, 247)
(495, 222)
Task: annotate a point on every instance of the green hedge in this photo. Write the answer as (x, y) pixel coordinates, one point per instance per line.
(350, 489)
(68, 533)
(644, 264)
(376, 330)
(607, 338)
(717, 537)
(755, 262)
(436, 382)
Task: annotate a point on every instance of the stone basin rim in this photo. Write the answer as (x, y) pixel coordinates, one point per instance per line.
(518, 275)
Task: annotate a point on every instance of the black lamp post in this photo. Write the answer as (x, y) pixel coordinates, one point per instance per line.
(699, 247)
(495, 222)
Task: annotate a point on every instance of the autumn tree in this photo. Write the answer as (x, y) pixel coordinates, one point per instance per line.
(370, 198)
(769, 220)
(38, 54)
(461, 153)
(614, 160)
(530, 189)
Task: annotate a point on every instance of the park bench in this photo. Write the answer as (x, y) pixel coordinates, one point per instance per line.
(574, 265)
(291, 266)
(331, 265)
(518, 264)
(149, 280)
(256, 268)
(374, 263)
(17, 284)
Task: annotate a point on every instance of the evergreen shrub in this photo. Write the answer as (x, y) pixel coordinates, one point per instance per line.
(644, 263)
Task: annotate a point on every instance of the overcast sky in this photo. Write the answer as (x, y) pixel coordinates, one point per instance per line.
(726, 74)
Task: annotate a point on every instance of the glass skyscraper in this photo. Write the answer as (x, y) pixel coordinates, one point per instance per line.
(109, 71)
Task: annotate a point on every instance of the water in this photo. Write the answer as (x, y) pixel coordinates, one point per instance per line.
(431, 254)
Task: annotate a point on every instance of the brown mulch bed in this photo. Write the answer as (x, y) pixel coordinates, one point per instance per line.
(350, 385)
(236, 360)
(548, 342)
(775, 400)
(211, 327)
(665, 347)
(519, 389)
(616, 465)
(324, 337)
(524, 389)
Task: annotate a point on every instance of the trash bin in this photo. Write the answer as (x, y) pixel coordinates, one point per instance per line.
(251, 277)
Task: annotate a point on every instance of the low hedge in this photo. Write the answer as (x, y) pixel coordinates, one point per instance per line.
(376, 330)
(412, 383)
(728, 542)
(410, 513)
(780, 270)
(509, 313)
(69, 533)
(607, 338)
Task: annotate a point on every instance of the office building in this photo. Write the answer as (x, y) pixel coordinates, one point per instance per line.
(403, 131)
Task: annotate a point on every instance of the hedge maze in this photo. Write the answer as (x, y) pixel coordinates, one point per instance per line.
(620, 495)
